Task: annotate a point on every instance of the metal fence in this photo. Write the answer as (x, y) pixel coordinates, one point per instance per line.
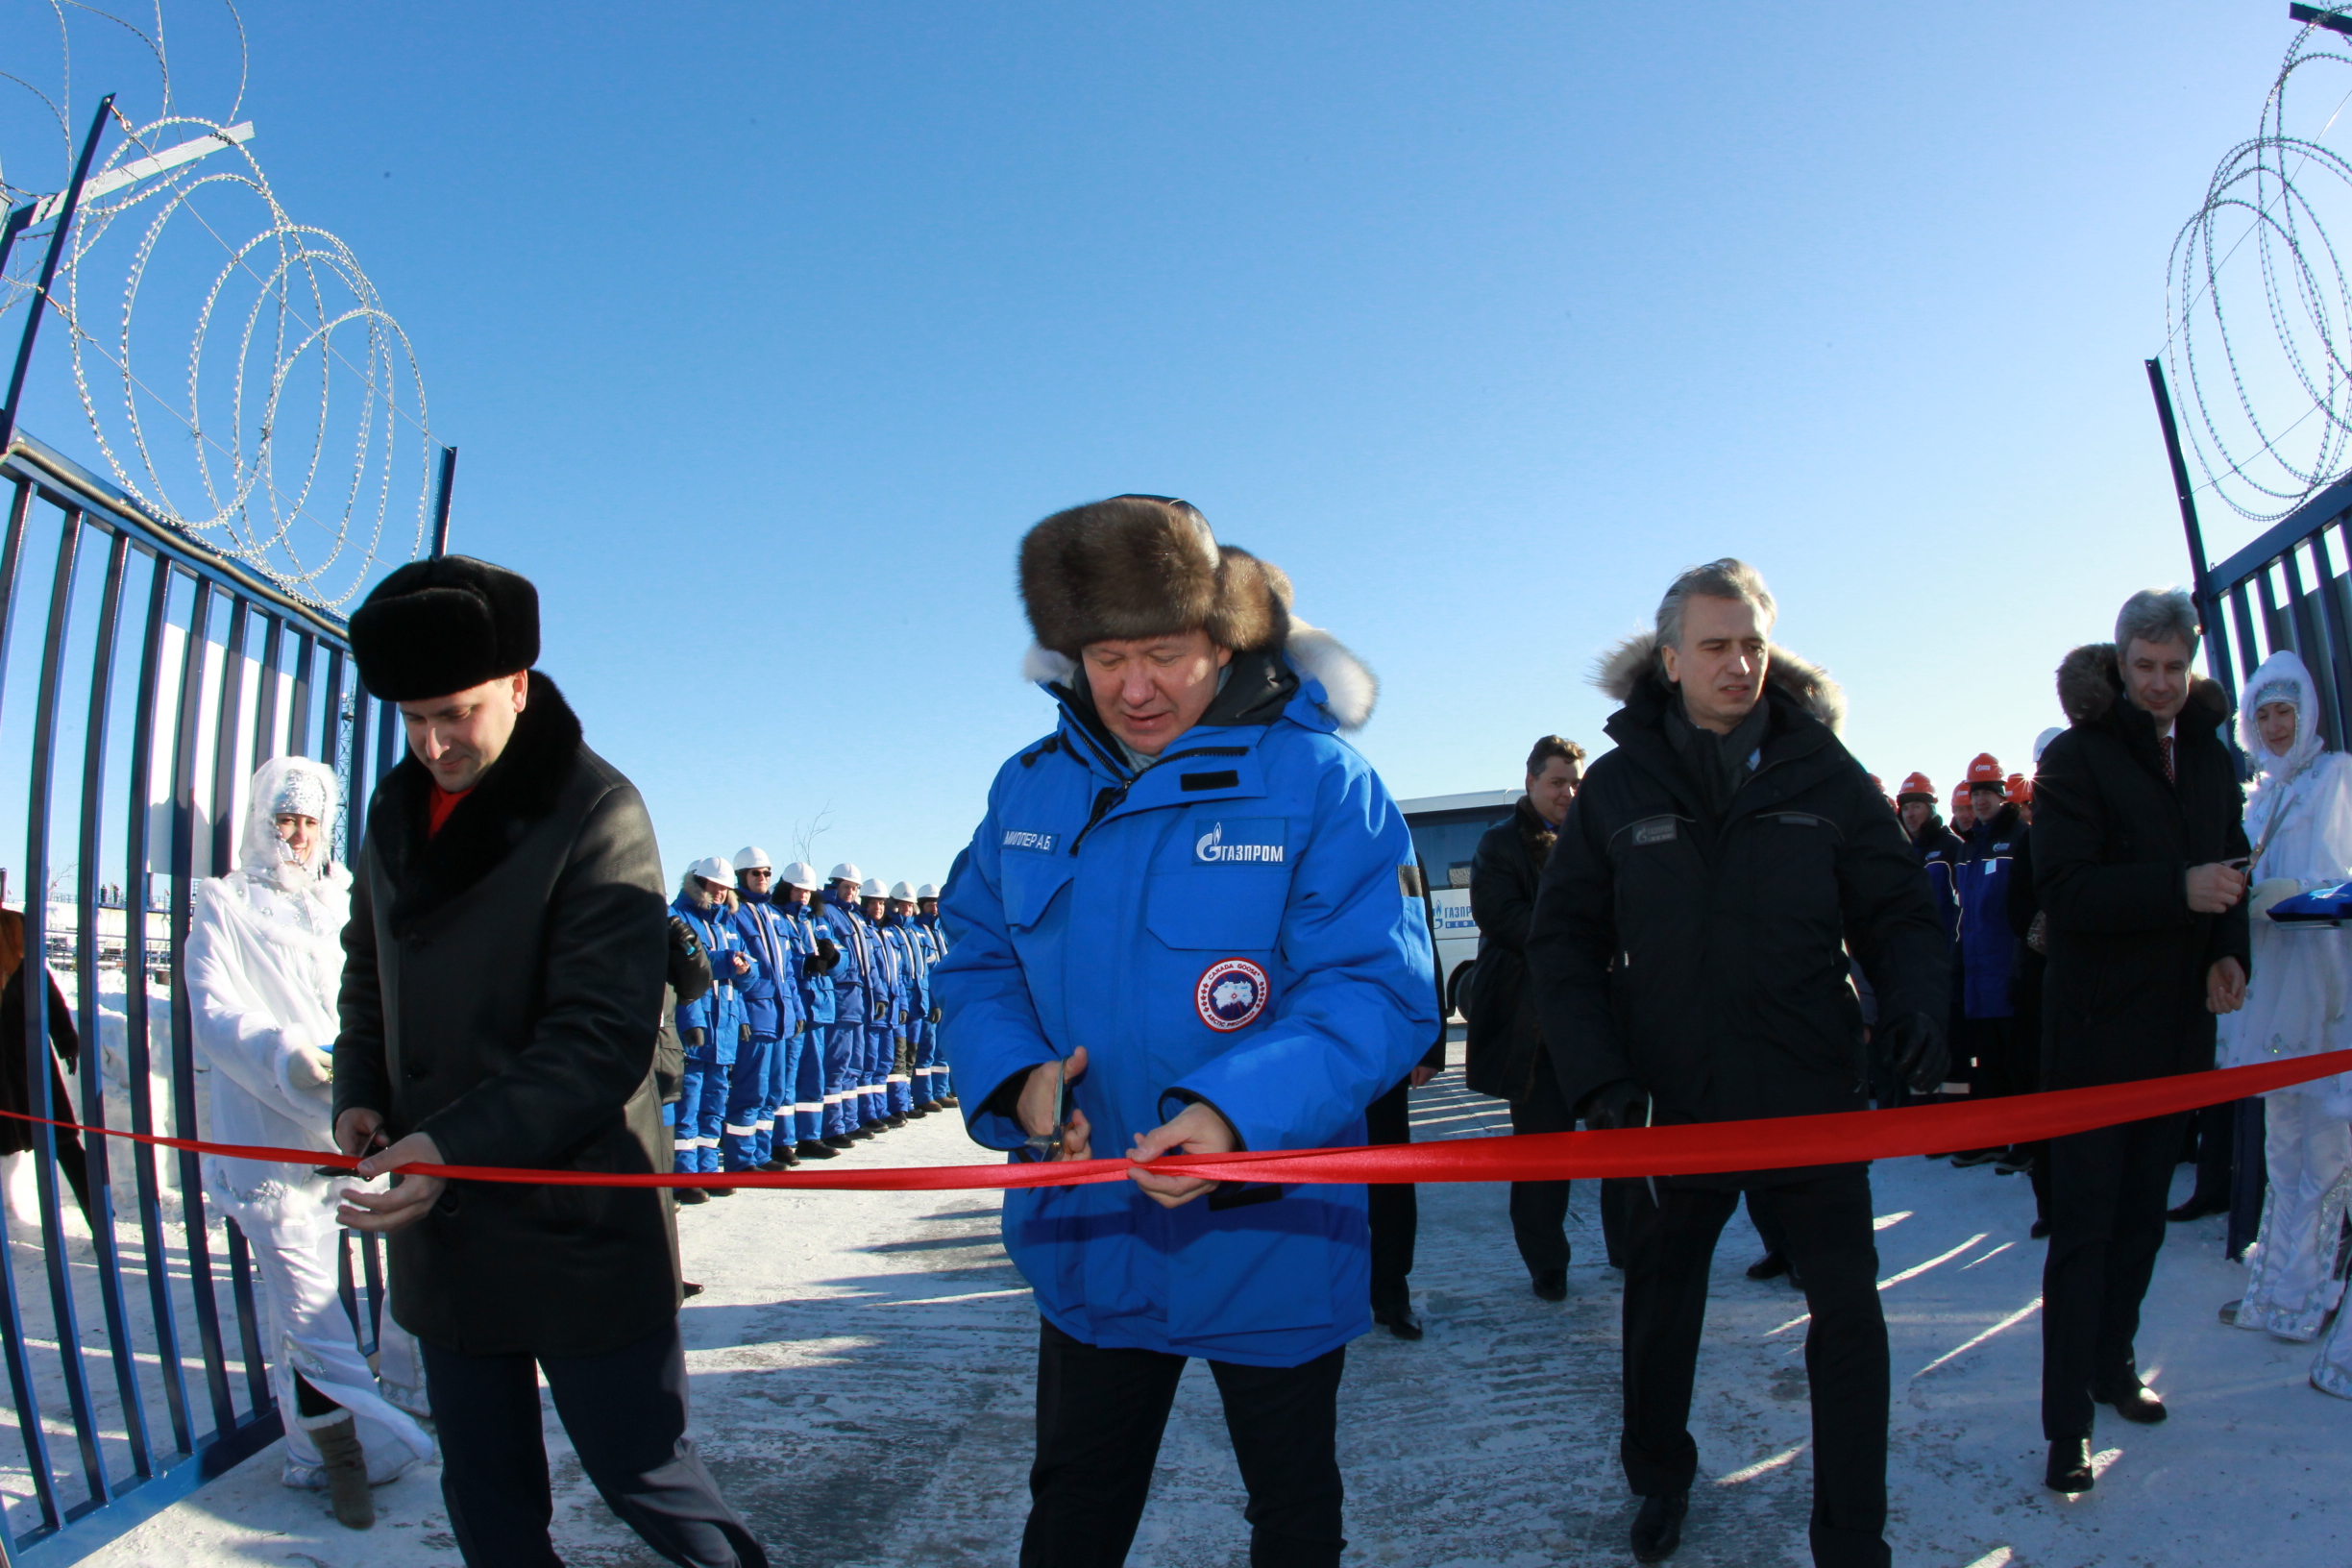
(2287, 588)
(165, 674)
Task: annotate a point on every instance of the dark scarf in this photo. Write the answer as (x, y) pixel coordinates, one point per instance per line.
(516, 792)
(1535, 834)
(1717, 764)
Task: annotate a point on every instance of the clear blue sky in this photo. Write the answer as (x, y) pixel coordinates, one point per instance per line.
(765, 330)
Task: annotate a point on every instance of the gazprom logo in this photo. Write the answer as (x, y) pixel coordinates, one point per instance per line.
(1261, 842)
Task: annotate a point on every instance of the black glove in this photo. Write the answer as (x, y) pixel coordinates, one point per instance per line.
(1624, 1103)
(1915, 1048)
(693, 1039)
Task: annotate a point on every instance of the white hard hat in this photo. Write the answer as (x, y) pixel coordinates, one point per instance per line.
(873, 889)
(902, 893)
(802, 876)
(752, 858)
(713, 869)
(926, 891)
(847, 872)
(2042, 741)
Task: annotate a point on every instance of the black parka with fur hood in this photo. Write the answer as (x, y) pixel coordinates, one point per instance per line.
(2123, 998)
(1706, 960)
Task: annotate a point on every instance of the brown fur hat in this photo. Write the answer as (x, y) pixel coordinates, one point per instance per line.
(1146, 566)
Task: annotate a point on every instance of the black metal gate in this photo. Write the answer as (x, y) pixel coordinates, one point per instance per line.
(162, 674)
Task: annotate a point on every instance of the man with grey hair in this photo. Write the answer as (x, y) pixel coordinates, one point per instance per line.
(2138, 844)
(1689, 955)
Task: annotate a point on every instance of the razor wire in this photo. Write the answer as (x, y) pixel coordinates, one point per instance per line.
(2259, 302)
(292, 432)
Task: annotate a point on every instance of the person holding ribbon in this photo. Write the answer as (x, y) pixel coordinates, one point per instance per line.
(2299, 816)
(263, 963)
(1190, 922)
(501, 996)
(1689, 951)
(2139, 849)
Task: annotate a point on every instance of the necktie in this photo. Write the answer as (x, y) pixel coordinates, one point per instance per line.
(2165, 746)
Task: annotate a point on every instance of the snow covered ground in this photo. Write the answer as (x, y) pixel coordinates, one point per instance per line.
(861, 1384)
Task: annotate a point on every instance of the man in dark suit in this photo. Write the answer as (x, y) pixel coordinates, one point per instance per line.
(2137, 849)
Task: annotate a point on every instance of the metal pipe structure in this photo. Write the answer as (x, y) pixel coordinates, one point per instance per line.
(49, 267)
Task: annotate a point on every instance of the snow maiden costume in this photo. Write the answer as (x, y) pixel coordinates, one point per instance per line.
(2298, 818)
(264, 962)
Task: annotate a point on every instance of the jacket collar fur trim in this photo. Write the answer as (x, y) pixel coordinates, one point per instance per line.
(1631, 670)
(2090, 692)
(521, 788)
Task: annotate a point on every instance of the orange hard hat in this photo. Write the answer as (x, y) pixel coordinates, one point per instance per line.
(2020, 790)
(1917, 786)
(1960, 798)
(1986, 771)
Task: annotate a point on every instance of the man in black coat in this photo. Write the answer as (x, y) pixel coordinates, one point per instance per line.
(501, 996)
(2138, 849)
(1689, 953)
(1502, 1046)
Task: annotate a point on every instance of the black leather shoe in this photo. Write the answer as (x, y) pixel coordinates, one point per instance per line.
(816, 1148)
(2195, 1208)
(948, 1099)
(719, 1192)
(2039, 1231)
(1400, 1320)
(895, 1120)
(689, 1287)
(921, 1108)
(1551, 1285)
(839, 1141)
(2137, 1404)
(771, 1168)
(862, 1134)
(690, 1194)
(1771, 1267)
(927, 1107)
(1658, 1529)
(2069, 1467)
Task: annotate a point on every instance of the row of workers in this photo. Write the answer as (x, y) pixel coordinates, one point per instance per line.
(819, 1029)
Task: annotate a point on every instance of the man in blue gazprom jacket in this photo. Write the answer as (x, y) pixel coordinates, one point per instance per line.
(1192, 915)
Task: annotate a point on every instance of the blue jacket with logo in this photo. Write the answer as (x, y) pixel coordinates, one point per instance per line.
(1234, 926)
(771, 992)
(1987, 945)
(718, 1012)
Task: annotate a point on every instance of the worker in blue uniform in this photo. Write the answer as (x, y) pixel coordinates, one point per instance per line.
(772, 997)
(1189, 922)
(927, 921)
(921, 957)
(809, 1100)
(858, 996)
(711, 1028)
(910, 1081)
(893, 1049)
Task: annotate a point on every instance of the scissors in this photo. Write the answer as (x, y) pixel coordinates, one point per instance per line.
(1049, 1144)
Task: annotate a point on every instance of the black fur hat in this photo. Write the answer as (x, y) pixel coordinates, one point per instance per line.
(1146, 566)
(442, 625)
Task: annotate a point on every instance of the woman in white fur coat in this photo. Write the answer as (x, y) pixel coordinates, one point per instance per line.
(263, 963)
(2298, 818)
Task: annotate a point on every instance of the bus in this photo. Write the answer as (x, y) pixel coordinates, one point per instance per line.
(1446, 829)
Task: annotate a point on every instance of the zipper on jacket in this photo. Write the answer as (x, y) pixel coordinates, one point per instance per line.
(1106, 801)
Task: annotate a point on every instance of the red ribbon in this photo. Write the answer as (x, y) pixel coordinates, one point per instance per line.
(1773, 1143)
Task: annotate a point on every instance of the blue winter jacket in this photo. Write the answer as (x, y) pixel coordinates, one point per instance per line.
(1235, 925)
(857, 995)
(1987, 942)
(817, 994)
(772, 992)
(719, 1011)
(914, 974)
